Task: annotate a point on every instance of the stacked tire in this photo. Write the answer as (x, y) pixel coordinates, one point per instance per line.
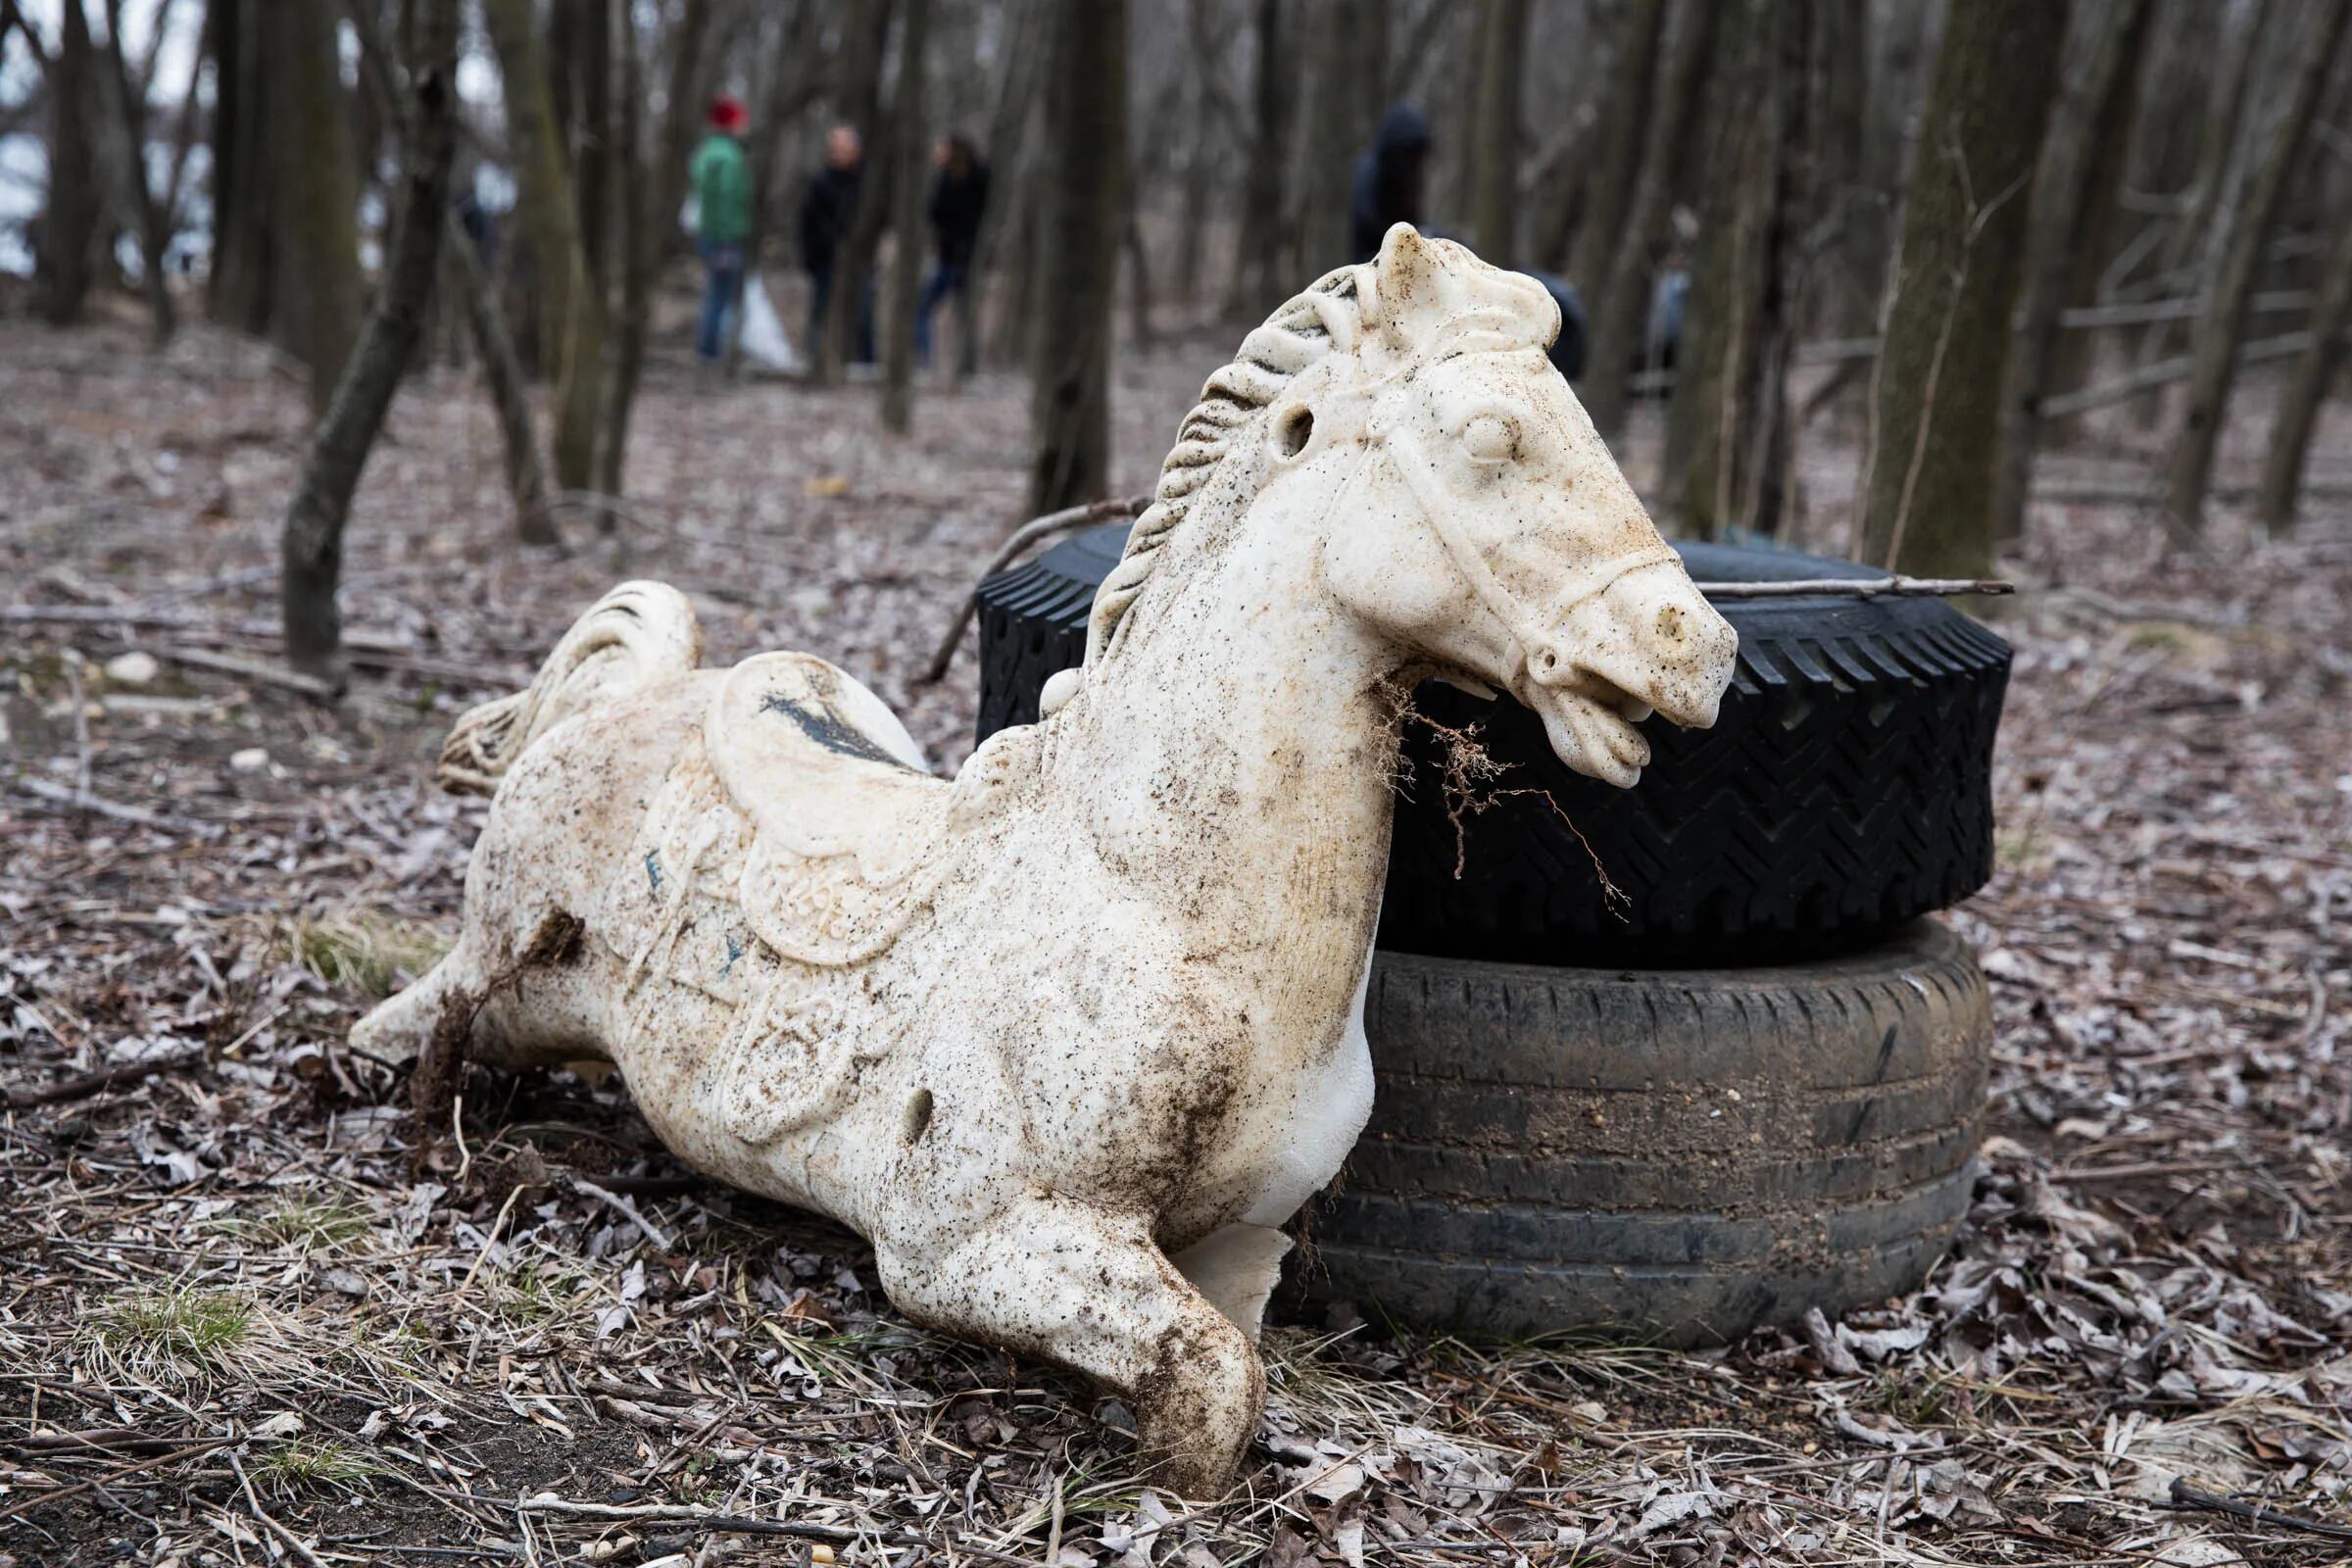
(1681, 1059)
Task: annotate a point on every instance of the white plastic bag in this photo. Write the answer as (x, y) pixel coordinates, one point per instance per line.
(763, 341)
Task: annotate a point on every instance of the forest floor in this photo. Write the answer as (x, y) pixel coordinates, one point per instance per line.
(251, 1313)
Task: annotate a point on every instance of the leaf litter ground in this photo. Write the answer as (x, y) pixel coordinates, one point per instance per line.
(252, 1314)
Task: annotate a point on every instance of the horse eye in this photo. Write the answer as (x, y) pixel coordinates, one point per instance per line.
(1490, 438)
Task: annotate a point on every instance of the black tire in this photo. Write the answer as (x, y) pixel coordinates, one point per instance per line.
(1845, 789)
(1682, 1154)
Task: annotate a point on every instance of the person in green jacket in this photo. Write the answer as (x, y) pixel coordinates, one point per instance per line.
(722, 197)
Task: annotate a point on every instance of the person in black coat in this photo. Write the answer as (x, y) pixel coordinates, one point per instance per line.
(1392, 178)
(958, 201)
(827, 212)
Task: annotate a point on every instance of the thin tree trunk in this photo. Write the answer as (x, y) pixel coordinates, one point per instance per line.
(910, 134)
(312, 539)
(2314, 371)
(1720, 435)
(1078, 257)
(1139, 280)
(2184, 265)
(1844, 206)
(1008, 124)
(1924, 501)
(2224, 323)
(313, 225)
(1617, 329)
(649, 232)
(1334, 128)
(572, 311)
(509, 391)
(155, 228)
(238, 292)
(2074, 356)
(1495, 160)
(68, 237)
(1202, 61)
(2055, 228)
(1617, 154)
(1257, 257)
(591, 133)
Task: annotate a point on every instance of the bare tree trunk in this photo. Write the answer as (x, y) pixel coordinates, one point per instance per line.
(661, 188)
(239, 291)
(314, 221)
(2224, 323)
(1008, 127)
(1495, 160)
(313, 540)
(590, 130)
(2058, 215)
(1258, 256)
(1845, 207)
(1336, 124)
(1078, 256)
(2314, 371)
(155, 225)
(1724, 425)
(2184, 264)
(911, 142)
(572, 311)
(69, 236)
(1204, 61)
(1673, 114)
(509, 392)
(1617, 154)
(2074, 356)
(1925, 504)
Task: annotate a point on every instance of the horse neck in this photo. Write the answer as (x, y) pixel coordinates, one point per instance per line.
(1231, 758)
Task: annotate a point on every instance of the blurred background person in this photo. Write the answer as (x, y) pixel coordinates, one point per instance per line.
(826, 213)
(722, 200)
(958, 201)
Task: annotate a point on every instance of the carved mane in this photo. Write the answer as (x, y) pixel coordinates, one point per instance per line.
(1301, 331)
(1505, 309)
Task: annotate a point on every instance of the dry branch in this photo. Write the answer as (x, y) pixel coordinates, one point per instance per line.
(1052, 522)
(84, 1085)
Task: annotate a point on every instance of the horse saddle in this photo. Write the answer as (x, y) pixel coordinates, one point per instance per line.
(849, 831)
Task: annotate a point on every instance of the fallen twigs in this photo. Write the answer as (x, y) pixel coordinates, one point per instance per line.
(2185, 1496)
(1027, 534)
(82, 801)
(718, 1522)
(84, 1085)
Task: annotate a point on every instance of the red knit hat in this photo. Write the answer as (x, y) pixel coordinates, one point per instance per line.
(728, 114)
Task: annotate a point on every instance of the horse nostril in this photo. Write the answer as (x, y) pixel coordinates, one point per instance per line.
(1670, 623)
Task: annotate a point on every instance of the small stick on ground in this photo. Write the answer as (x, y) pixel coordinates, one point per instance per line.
(2185, 1496)
(84, 1085)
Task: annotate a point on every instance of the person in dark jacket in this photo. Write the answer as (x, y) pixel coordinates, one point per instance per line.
(1392, 178)
(826, 213)
(958, 201)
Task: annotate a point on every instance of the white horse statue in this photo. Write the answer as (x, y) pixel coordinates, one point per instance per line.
(1071, 1037)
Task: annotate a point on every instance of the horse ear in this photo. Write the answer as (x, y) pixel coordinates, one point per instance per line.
(1406, 272)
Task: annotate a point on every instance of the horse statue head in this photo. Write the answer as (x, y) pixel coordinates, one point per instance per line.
(1469, 516)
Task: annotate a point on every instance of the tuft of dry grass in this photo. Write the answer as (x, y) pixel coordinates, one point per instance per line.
(372, 954)
(178, 1332)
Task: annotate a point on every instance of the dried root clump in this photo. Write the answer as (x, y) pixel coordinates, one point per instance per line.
(1466, 782)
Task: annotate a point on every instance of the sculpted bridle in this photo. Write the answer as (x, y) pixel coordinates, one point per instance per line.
(1527, 630)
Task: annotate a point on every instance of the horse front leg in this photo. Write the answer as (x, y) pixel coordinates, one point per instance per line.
(1090, 1290)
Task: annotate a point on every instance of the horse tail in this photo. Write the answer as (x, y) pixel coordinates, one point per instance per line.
(640, 634)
